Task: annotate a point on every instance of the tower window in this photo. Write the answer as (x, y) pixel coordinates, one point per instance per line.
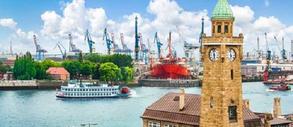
(232, 75)
(232, 110)
(226, 28)
(214, 28)
(219, 28)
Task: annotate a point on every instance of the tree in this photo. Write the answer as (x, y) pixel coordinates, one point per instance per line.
(4, 68)
(96, 72)
(127, 74)
(24, 67)
(122, 60)
(87, 68)
(40, 71)
(47, 63)
(109, 72)
(73, 67)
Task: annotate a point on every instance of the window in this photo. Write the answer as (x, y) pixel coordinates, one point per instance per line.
(219, 28)
(169, 125)
(232, 110)
(214, 28)
(154, 124)
(232, 75)
(226, 29)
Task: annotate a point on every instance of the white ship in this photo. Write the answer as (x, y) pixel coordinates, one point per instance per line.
(87, 90)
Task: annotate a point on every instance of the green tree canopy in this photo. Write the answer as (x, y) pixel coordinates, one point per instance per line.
(40, 71)
(119, 59)
(127, 74)
(4, 68)
(73, 67)
(24, 68)
(109, 72)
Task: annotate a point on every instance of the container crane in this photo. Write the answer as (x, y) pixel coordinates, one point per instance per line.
(115, 45)
(106, 38)
(89, 40)
(283, 51)
(62, 50)
(72, 46)
(143, 49)
(268, 69)
(159, 44)
(125, 49)
(40, 53)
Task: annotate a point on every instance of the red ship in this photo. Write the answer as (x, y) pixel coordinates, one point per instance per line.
(170, 67)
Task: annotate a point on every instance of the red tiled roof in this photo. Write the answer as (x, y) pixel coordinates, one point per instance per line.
(166, 109)
(57, 71)
(278, 121)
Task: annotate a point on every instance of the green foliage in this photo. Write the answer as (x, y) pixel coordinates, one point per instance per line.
(4, 68)
(73, 67)
(46, 64)
(109, 72)
(127, 74)
(40, 71)
(87, 68)
(118, 59)
(24, 68)
(96, 72)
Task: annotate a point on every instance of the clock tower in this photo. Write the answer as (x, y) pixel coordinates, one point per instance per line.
(221, 95)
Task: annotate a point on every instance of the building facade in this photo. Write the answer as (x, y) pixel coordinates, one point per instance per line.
(221, 104)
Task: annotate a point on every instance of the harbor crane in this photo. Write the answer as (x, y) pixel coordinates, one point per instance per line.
(268, 68)
(283, 51)
(106, 38)
(144, 50)
(62, 50)
(159, 44)
(72, 46)
(40, 53)
(115, 45)
(90, 42)
(125, 49)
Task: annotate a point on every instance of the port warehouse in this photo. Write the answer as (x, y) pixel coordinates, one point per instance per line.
(251, 70)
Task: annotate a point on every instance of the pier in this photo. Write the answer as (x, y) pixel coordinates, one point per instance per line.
(29, 84)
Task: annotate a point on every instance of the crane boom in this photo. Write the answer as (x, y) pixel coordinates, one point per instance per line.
(108, 41)
(159, 44)
(89, 40)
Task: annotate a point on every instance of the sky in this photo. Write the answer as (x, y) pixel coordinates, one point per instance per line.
(52, 20)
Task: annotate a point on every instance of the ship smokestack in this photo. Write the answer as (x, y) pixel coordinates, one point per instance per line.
(246, 104)
(277, 107)
(182, 99)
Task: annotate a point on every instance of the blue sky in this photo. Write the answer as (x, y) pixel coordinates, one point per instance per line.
(119, 13)
(27, 12)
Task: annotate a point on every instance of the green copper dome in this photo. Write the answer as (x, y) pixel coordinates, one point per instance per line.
(222, 10)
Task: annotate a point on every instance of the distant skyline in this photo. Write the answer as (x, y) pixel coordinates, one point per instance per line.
(52, 20)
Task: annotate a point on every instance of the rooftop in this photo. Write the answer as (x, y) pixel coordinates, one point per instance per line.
(222, 10)
(57, 71)
(167, 109)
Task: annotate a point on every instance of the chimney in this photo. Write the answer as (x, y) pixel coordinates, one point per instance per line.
(182, 99)
(246, 104)
(277, 107)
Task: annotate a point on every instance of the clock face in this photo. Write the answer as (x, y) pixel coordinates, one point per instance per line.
(214, 54)
(231, 54)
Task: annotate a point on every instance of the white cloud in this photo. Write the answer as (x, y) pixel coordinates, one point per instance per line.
(8, 22)
(167, 16)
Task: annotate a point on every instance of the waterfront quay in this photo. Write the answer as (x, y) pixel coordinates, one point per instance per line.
(30, 84)
(35, 108)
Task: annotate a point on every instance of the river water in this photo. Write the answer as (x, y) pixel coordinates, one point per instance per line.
(40, 108)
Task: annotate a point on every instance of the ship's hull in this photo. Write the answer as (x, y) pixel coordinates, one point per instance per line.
(170, 71)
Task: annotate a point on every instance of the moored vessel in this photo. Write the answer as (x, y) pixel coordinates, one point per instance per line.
(88, 90)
